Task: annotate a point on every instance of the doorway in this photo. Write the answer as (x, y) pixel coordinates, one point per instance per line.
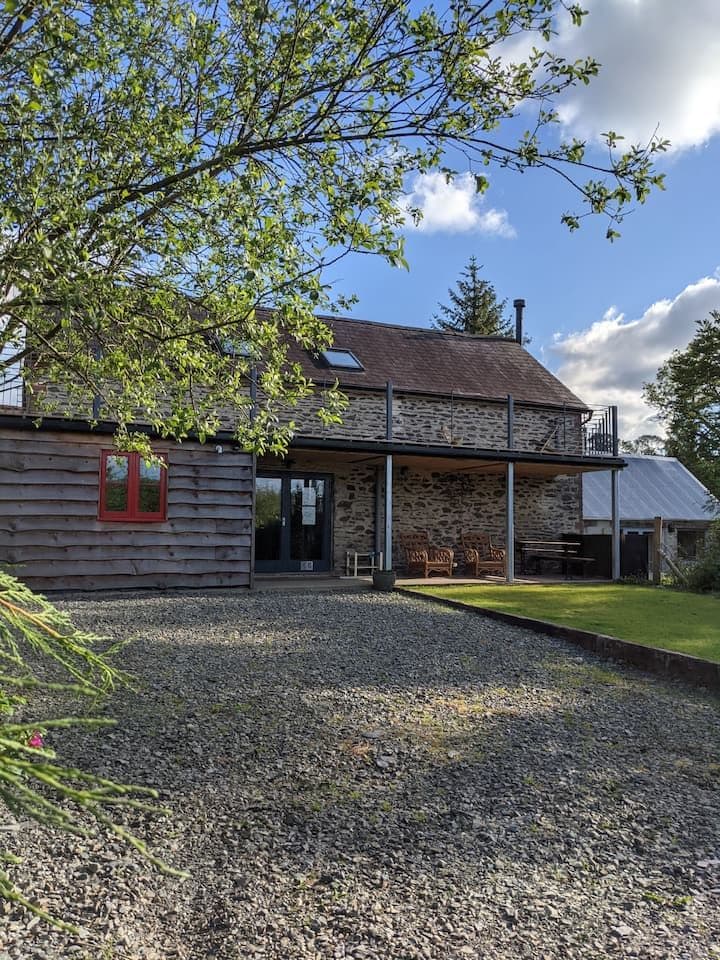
(292, 522)
(634, 555)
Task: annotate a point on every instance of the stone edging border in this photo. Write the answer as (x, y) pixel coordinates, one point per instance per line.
(668, 663)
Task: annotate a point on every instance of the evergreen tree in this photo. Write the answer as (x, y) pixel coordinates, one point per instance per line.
(34, 635)
(474, 307)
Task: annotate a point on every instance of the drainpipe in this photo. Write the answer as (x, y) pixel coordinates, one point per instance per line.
(510, 496)
(387, 540)
(519, 307)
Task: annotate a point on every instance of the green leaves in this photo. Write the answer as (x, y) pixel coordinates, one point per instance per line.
(686, 392)
(32, 784)
(168, 167)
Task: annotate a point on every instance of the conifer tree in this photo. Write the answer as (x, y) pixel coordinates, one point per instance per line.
(34, 635)
(474, 306)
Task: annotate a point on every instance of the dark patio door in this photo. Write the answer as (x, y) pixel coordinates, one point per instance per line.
(292, 522)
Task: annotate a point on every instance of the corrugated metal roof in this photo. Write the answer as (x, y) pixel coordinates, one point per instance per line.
(435, 362)
(649, 487)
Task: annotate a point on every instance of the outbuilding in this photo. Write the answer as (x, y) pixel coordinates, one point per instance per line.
(650, 487)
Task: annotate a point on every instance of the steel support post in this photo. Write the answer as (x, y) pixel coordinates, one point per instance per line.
(510, 496)
(387, 556)
(387, 539)
(510, 523)
(615, 511)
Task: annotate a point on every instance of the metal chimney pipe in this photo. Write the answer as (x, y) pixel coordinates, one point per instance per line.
(519, 307)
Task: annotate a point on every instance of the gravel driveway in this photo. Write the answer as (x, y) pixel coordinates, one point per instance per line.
(370, 776)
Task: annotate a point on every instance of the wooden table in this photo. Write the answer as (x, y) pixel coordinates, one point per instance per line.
(566, 552)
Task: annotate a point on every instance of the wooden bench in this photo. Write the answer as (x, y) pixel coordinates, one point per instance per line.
(565, 552)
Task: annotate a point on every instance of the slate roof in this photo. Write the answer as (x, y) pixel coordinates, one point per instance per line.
(435, 362)
(649, 487)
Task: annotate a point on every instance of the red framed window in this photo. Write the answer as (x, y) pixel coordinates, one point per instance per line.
(131, 488)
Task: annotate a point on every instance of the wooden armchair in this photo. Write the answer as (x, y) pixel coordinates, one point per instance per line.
(422, 558)
(481, 556)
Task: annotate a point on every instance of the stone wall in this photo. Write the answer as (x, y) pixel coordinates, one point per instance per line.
(363, 419)
(445, 421)
(428, 420)
(447, 504)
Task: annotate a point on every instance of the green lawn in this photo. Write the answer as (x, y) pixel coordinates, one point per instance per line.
(657, 617)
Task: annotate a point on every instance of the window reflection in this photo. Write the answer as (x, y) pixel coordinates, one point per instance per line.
(149, 490)
(116, 484)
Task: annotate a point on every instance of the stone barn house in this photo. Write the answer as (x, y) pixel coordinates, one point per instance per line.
(443, 433)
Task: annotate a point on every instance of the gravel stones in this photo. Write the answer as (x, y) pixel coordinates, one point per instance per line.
(356, 775)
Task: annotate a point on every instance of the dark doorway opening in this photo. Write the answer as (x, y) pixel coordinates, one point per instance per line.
(634, 555)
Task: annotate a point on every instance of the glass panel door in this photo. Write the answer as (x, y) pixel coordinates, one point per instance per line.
(268, 522)
(307, 520)
(292, 523)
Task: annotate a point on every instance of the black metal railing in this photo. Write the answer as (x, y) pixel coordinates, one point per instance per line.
(600, 433)
(558, 430)
(11, 389)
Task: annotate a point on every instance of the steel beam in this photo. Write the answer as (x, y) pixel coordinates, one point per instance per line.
(510, 523)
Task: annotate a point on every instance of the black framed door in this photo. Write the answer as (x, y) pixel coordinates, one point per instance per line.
(292, 522)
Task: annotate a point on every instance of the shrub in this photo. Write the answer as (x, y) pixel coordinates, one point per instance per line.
(40, 649)
(703, 575)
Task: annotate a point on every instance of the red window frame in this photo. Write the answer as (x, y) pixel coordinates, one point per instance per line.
(133, 513)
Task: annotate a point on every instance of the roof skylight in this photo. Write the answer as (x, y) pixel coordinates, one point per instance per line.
(344, 359)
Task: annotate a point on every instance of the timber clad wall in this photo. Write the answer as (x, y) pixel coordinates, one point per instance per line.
(49, 486)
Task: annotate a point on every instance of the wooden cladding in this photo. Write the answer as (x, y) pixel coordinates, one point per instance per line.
(51, 537)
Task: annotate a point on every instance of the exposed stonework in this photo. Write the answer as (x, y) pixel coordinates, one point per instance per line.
(446, 504)
(429, 420)
(364, 418)
(445, 421)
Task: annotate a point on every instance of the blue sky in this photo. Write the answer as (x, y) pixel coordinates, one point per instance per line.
(601, 315)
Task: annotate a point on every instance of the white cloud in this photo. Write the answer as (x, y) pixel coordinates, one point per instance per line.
(611, 360)
(454, 207)
(660, 66)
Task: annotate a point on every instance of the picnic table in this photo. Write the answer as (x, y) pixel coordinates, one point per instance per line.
(564, 552)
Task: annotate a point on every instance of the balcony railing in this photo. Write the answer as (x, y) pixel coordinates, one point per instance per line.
(600, 433)
(463, 422)
(11, 389)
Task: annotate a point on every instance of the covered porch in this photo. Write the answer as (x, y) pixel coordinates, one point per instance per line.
(332, 499)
